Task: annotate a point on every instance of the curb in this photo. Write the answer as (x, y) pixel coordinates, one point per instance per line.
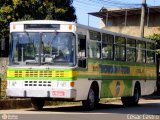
(15, 104)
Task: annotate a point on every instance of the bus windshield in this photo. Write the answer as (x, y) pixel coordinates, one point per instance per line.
(28, 48)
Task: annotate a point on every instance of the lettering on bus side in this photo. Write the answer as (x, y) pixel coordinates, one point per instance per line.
(114, 69)
(140, 70)
(95, 68)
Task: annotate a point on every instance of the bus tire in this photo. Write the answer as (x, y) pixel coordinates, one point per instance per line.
(37, 103)
(136, 96)
(89, 104)
(132, 101)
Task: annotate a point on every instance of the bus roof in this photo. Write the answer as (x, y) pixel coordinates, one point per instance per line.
(114, 33)
(42, 22)
(79, 25)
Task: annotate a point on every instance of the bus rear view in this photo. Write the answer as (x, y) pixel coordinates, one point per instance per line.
(41, 61)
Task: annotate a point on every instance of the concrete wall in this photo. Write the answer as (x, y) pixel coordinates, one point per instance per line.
(3, 82)
(132, 25)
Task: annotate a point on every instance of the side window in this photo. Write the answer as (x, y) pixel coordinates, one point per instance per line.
(120, 48)
(94, 35)
(94, 44)
(131, 50)
(94, 49)
(82, 51)
(141, 51)
(150, 55)
(107, 46)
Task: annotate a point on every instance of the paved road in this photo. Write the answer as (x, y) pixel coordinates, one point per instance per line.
(147, 110)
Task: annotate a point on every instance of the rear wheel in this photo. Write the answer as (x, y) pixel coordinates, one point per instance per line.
(89, 104)
(37, 103)
(136, 96)
(132, 101)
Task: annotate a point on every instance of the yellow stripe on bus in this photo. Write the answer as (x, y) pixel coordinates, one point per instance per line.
(39, 73)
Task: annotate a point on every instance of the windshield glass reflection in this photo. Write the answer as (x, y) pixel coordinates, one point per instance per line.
(42, 49)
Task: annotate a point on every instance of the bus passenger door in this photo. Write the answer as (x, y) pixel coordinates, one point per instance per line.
(82, 51)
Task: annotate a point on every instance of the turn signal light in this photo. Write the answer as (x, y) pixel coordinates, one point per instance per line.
(71, 84)
(14, 26)
(70, 27)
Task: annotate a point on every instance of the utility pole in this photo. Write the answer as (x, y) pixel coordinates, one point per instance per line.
(88, 19)
(142, 18)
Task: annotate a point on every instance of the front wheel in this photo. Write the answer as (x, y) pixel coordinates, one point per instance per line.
(37, 103)
(89, 104)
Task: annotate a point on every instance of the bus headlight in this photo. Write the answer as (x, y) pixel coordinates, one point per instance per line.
(14, 83)
(61, 84)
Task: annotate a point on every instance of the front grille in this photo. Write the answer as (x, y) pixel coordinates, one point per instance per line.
(37, 83)
(59, 73)
(18, 73)
(40, 73)
(30, 73)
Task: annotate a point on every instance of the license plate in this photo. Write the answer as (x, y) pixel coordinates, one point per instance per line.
(58, 93)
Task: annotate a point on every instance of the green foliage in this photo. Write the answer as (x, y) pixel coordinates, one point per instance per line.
(156, 38)
(14, 10)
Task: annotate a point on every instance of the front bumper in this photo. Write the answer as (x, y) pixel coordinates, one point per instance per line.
(55, 93)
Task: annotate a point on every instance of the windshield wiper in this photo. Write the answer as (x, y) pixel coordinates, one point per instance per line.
(31, 62)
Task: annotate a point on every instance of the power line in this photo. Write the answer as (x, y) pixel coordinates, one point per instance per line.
(110, 3)
(119, 3)
(95, 5)
(92, 5)
(84, 8)
(88, 4)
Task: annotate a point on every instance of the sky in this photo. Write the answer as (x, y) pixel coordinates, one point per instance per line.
(83, 7)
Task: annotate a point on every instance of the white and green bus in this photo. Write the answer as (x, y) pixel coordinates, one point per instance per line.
(57, 60)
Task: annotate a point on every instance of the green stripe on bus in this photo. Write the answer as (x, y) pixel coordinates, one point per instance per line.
(117, 77)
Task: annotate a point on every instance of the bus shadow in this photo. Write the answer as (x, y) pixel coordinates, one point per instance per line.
(147, 108)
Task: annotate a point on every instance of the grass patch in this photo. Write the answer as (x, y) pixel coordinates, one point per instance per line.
(60, 103)
(109, 100)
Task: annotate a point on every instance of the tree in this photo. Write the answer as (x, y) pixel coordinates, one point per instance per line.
(156, 38)
(14, 10)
